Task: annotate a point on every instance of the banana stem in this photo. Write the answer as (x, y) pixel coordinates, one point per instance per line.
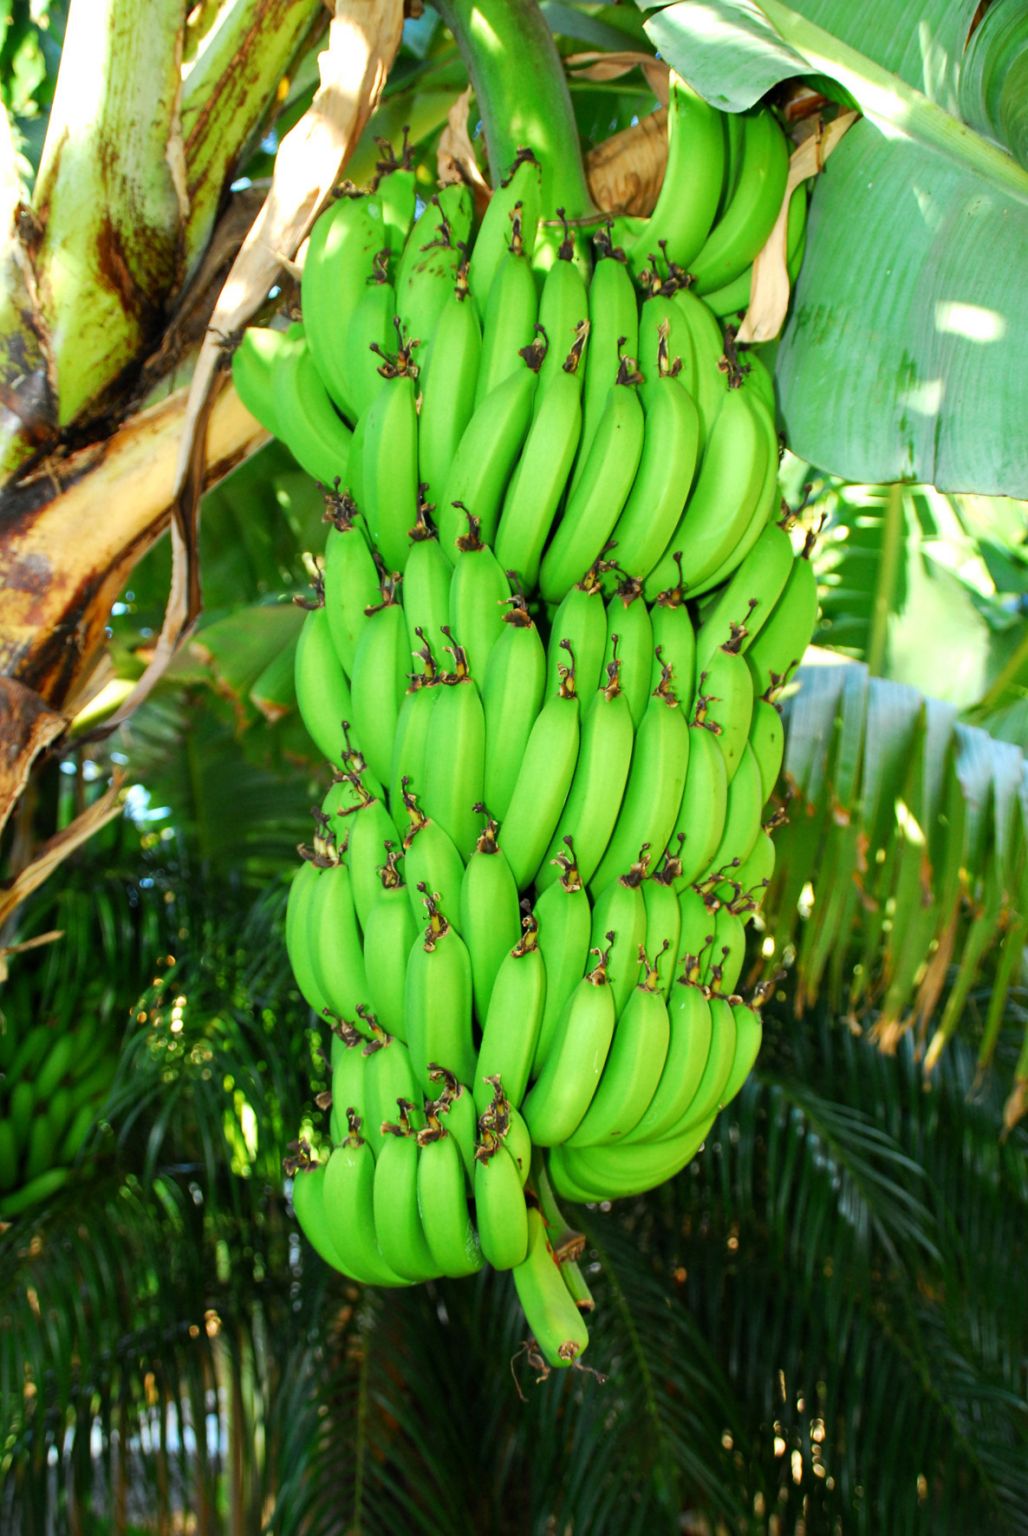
(522, 94)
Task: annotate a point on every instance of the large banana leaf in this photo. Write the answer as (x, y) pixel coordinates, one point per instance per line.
(901, 359)
(905, 855)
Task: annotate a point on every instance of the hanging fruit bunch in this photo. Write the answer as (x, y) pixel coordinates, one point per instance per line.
(555, 608)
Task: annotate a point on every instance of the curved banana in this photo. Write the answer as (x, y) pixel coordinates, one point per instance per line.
(564, 921)
(742, 816)
(485, 458)
(371, 337)
(438, 1000)
(619, 920)
(309, 1207)
(448, 380)
(749, 1032)
(541, 473)
(398, 1225)
(633, 1068)
(341, 250)
(697, 831)
(508, 326)
(663, 922)
(724, 702)
(380, 669)
(501, 1215)
(563, 1091)
(337, 955)
(253, 370)
(510, 1031)
(426, 589)
(618, 1171)
(430, 860)
(557, 1325)
(745, 223)
(490, 916)
(595, 502)
(581, 623)
(479, 596)
(563, 319)
(656, 780)
(767, 738)
(519, 196)
(698, 338)
(322, 692)
(454, 771)
(674, 646)
(763, 505)
(594, 800)
(349, 1208)
(779, 647)
(689, 1036)
(388, 1082)
(707, 1099)
(733, 298)
(515, 678)
(350, 579)
(305, 418)
(371, 834)
(630, 643)
(664, 479)
(430, 263)
(407, 766)
(389, 469)
(543, 781)
(389, 930)
(442, 1201)
(744, 605)
(298, 936)
(613, 326)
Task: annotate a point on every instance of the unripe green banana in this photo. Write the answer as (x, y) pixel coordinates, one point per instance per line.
(484, 461)
(426, 590)
(389, 930)
(618, 1172)
(565, 922)
(340, 256)
(733, 298)
(653, 794)
(479, 597)
(512, 1020)
(519, 1144)
(518, 196)
(619, 923)
(349, 1078)
(556, 1323)
(337, 956)
(77, 1133)
(322, 693)
(674, 646)
(430, 859)
(690, 1030)
(56, 1064)
(511, 696)
(500, 1211)
(633, 1067)
(306, 419)
(379, 684)
(630, 642)
(749, 1032)
(438, 1000)
(690, 192)
(490, 914)
(767, 738)
(411, 741)
(442, 1201)
(542, 784)
(21, 1105)
(299, 933)
(309, 1205)
(254, 367)
(563, 312)
(396, 190)
(728, 952)
(351, 581)
(565, 1086)
(664, 479)
(724, 704)
(744, 225)
(581, 623)
(430, 263)
(764, 505)
(508, 325)
(448, 382)
(779, 647)
(613, 325)
(595, 502)
(698, 333)
(389, 468)
(398, 1224)
(389, 1081)
(594, 801)
(697, 831)
(33, 1192)
(370, 339)
(725, 498)
(745, 604)
(454, 772)
(540, 476)
(349, 1207)
(372, 835)
(707, 1098)
(742, 815)
(663, 922)
(455, 1109)
(752, 878)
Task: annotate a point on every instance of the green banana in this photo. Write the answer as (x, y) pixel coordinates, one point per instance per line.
(349, 1075)
(595, 502)
(663, 922)
(389, 468)
(674, 646)
(543, 781)
(322, 693)
(454, 772)
(690, 1030)
(389, 930)
(563, 318)
(742, 815)
(254, 367)
(372, 835)
(426, 588)
(733, 298)
(613, 325)
(594, 800)
(564, 920)
(743, 607)
(500, 1211)
(370, 336)
(479, 595)
(557, 1325)
(541, 473)
(379, 683)
(634, 1066)
(763, 505)
(398, 1225)
(630, 643)
(664, 479)
(724, 704)
(699, 340)
(619, 918)
(298, 935)
(779, 647)
(490, 915)
(430, 860)
(448, 381)
(564, 1089)
(512, 693)
(455, 1108)
(656, 780)
(389, 1080)
(618, 1172)
(396, 189)
(442, 1202)
(767, 738)
(691, 190)
(517, 197)
(745, 223)
(580, 623)
(511, 1022)
(430, 263)
(481, 468)
(749, 1032)
(349, 1208)
(508, 326)
(336, 953)
(697, 831)
(707, 1099)
(309, 1206)
(438, 999)
(412, 724)
(350, 580)
(306, 419)
(341, 251)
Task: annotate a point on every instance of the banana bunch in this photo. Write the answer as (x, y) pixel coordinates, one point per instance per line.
(554, 612)
(51, 1085)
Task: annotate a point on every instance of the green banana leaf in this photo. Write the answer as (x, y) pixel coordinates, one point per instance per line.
(901, 358)
(904, 862)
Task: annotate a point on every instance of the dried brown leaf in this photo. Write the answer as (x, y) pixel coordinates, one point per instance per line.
(455, 158)
(625, 172)
(27, 726)
(57, 848)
